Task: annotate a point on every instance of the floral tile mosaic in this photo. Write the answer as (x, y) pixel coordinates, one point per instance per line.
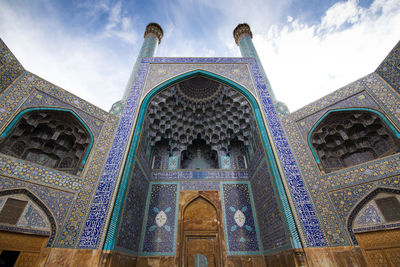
(241, 232)
(159, 234)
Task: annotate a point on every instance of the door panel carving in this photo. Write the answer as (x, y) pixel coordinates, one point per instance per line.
(381, 248)
(200, 229)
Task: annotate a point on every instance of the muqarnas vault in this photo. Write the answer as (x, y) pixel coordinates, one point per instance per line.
(199, 164)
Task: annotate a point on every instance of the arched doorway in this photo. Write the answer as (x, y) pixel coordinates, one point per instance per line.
(196, 147)
(200, 235)
(26, 226)
(375, 225)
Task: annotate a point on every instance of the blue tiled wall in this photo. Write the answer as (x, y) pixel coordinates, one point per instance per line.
(272, 226)
(159, 238)
(133, 214)
(241, 233)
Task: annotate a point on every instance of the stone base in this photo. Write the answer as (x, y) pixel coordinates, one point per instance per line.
(350, 256)
(70, 257)
(117, 258)
(315, 257)
(248, 261)
(289, 257)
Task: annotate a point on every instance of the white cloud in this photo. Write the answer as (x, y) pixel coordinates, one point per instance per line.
(120, 25)
(85, 65)
(305, 62)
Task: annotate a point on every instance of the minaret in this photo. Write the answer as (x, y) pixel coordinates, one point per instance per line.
(243, 38)
(152, 38)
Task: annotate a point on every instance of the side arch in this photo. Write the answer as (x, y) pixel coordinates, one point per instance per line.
(277, 179)
(361, 204)
(329, 113)
(38, 202)
(17, 118)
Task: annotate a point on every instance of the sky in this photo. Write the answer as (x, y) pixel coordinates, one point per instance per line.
(309, 48)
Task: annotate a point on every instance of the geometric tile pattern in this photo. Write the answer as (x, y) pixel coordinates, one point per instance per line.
(93, 231)
(389, 69)
(69, 235)
(25, 87)
(308, 122)
(272, 225)
(159, 231)
(30, 90)
(134, 208)
(161, 72)
(200, 185)
(10, 68)
(241, 232)
(27, 171)
(370, 215)
(370, 91)
(50, 200)
(41, 99)
(180, 175)
(381, 188)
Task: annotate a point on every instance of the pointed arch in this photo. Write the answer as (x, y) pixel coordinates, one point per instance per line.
(337, 163)
(197, 225)
(186, 211)
(38, 202)
(261, 124)
(357, 208)
(75, 116)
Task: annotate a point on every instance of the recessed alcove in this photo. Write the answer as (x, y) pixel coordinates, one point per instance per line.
(350, 137)
(199, 124)
(53, 138)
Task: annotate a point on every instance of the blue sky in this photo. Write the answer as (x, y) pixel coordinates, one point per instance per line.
(308, 48)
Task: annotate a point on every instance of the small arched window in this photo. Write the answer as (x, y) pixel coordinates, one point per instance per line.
(345, 138)
(52, 138)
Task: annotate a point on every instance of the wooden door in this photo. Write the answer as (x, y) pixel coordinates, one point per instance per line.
(381, 248)
(27, 247)
(200, 234)
(201, 251)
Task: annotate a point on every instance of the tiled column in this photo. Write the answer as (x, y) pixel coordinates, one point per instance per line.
(152, 38)
(243, 38)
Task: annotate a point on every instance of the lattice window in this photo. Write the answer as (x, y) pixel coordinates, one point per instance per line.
(54, 139)
(389, 207)
(238, 153)
(160, 155)
(12, 210)
(347, 138)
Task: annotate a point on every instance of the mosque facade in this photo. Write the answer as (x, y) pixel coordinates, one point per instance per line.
(199, 164)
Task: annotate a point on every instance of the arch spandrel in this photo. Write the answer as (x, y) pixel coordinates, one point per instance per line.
(128, 134)
(160, 73)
